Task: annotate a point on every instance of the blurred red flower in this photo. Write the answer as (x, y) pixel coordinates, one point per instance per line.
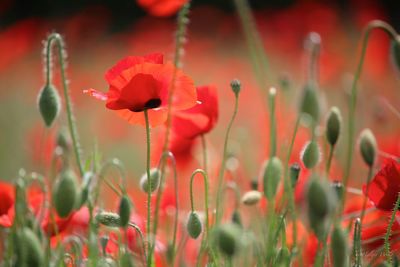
(7, 196)
(161, 8)
(139, 83)
(385, 187)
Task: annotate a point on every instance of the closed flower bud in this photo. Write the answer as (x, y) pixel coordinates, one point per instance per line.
(31, 252)
(109, 219)
(194, 226)
(236, 218)
(294, 172)
(271, 176)
(65, 193)
(124, 210)
(63, 140)
(310, 155)
(155, 176)
(236, 86)
(339, 246)
(320, 197)
(49, 104)
(395, 53)
(333, 126)
(368, 147)
(283, 258)
(251, 197)
(310, 104)
(227, 238)
(126, 260)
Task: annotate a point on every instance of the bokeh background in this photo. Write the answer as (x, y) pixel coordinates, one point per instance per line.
(99, 33)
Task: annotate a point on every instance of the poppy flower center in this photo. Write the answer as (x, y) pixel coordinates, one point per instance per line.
(150, 104)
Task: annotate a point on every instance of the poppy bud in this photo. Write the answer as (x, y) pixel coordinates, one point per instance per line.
(126, 260)
(103, 242)
(124, 210)
(310, 154)
(271, 176)
(109, 219)
(236, 218)
(63, 140)
(155, 176)
(310, 104)
(236, 86)
(254, 184)
(251, 197)
(227, 238)
(368, 147)
(65, 193)
(194, 226)
(49, 104)
(283, 258)
(31, 252)
(395, 53)
(333, 126)
(294, 172)
(340, 250)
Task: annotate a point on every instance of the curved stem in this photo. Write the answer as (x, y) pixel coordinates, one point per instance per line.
(224, 155)
(55, 37)
(388, 253)
(204, 146)
(205, 177)
(370, 170)
(137, 229)
(148, 228)
(376, 24)
(158, 201)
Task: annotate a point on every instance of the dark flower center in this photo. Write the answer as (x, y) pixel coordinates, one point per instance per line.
(150, 104)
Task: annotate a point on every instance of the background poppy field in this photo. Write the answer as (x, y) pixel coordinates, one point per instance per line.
(100, 33)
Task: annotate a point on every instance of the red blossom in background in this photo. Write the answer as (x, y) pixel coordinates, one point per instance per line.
(161, 8)
(7, 198)
(385, 187)
(139, 83)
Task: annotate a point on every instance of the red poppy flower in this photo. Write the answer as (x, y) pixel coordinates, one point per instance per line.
(161, 8)
(385, 187)
(7, 197)
(139, 83)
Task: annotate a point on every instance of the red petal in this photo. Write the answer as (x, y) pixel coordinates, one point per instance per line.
(96, 94)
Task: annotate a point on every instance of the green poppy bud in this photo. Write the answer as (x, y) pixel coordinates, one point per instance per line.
(310, 155)
(236, 86)
(283, 258)
(271, 176)
(251, 197)
(333, 126)
(126, 260)
(155, 176)
(194, 226)
(124, 210)
(368, 147)
(31, 253)
(339, 246)
(227, 238)
(63, 140)
(65, 193)
(310, 104)
(109, 219)
(294, 172)
(236, 218)
(49, 104)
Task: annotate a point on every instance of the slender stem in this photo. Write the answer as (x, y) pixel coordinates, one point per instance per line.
(148, 228)
(388, 253)
(137, 229)
(272, 119)
(205, 177)
(357, 243)
(55, 37)
(224, 155)
(329, 161)
(288, 184)
(376, 24)
(204, 145)
(370, 171)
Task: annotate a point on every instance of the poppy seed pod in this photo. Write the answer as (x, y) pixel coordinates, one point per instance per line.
(310, 104)
(124, 210)
(49, 104)
(155, 176)
(310, 154)
(194, 226)
(236, 86)
(271, 176)
(236, 218)
(368, 147)
(340, 250)
(395, 53)
(109, 219)
(65, 193)
(251, 197)
(294, 172)
(320, 197)
(227, 238)
(333, 126)
(31, 252)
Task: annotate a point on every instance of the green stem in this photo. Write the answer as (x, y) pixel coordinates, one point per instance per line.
(137, 229)
(329, 161)
(272, 119)
(370, 171)
(357, 243)
(376, 24)
(204, 146)
(224, 155)
(148, 228)
(55, 37)
(205, 177)
(388, 253)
